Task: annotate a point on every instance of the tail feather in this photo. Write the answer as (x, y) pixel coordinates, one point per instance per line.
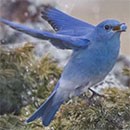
(42, 109)
(46, 111)
(50, 113)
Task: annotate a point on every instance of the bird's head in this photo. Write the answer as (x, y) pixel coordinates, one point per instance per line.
(109, 28)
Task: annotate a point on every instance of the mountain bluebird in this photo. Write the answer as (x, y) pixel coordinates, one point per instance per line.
(95, 50)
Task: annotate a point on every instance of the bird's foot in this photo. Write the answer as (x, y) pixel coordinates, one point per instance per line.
(95, 93)
(91, 99)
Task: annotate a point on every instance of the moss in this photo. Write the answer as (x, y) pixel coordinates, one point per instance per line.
(112, 112)
(126, 71)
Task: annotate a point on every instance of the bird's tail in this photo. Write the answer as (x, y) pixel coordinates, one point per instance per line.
(46, 111)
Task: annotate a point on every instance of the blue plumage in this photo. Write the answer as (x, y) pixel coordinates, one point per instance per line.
(95, 50)
(61, 21)
(47, 110)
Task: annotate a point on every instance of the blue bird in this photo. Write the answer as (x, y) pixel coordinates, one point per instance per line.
(95, 51)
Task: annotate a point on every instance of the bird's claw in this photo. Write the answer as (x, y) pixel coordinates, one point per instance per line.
(94, 94)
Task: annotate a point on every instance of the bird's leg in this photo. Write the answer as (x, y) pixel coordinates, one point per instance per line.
(91, 99)
(95, 93)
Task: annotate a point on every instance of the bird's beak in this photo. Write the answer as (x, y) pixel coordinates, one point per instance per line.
(120, 28)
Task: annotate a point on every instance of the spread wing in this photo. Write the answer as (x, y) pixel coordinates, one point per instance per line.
(58, 40)
(61, 21)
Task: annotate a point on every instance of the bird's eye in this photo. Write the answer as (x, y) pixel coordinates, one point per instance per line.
(107, 27)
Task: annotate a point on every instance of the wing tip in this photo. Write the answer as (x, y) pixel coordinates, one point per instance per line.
(45, 14)
(2, 20)
(45, 10)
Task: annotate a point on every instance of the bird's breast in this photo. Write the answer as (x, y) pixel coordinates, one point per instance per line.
(93, 61)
